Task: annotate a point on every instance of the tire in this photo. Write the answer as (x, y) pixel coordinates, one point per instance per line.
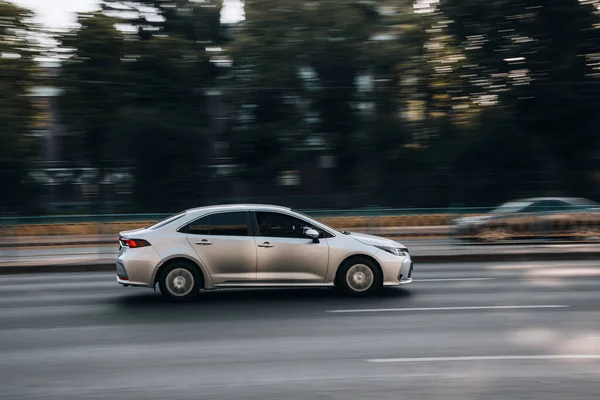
(180, 282)
(359, 276)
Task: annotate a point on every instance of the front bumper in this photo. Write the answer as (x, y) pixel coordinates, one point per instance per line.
(405, 279)
(396, 270)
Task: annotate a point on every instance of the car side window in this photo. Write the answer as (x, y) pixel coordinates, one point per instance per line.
(283, 226)
(222, 224)
(199, 227)
(549, 205)
(557, 205)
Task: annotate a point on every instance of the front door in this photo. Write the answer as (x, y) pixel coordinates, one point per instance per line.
(225, 247)
(284, 254)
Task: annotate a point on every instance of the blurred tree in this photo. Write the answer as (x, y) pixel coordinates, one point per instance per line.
(166, 122)
(93, 79)
(541, 59)
(17, 110)
(417, 88)
(198, 21)
(141, 99)
(323, 70)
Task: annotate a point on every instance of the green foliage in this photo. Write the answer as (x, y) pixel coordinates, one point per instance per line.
(466, 100)
(93, 80)
(140, 100)
(17, 109)
(540, 59)
(297, 72)
(197, 21)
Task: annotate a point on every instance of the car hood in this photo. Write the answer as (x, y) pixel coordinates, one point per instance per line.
(373, 240)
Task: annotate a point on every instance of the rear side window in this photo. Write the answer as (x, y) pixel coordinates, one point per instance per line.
(556, 205)
(168, 220)
(223, 224)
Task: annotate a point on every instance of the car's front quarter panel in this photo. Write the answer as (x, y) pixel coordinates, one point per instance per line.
(343, 247)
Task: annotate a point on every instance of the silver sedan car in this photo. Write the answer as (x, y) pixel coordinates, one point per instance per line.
(256, 246)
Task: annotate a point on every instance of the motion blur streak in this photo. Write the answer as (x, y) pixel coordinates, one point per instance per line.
(450, 308)
(157, 106)
(80, 337)
(491, 358)
(350, 107)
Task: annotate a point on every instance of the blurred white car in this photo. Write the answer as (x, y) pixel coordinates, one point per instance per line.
(533, 217)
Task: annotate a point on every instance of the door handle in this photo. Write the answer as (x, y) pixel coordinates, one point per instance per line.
(204, 242)
(265, 244)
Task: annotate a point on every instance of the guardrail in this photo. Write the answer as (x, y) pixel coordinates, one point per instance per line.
(424, 221)
(341, 219)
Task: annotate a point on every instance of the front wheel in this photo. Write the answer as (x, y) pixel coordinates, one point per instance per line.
(180, 282)
(358, 276)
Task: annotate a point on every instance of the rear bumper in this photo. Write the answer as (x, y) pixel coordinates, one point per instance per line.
(127, 282)
(124, 279)
(135, 267)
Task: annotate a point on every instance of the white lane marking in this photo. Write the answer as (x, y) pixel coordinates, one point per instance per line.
(489, 358)
(365, 310)
(563, 272)
(451, 279)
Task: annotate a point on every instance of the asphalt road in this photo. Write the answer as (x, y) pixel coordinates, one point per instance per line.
(460, 331)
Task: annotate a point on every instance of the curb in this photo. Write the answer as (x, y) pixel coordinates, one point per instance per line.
(425, 259)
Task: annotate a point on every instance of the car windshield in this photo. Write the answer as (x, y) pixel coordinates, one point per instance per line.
(167, 220)
(511, 207)
(584, 202)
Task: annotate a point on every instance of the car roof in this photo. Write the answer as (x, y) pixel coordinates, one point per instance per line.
(566, 199)
(219, 207)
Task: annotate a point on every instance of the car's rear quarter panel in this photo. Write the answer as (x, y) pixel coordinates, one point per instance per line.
(139, 264)
(172, 245)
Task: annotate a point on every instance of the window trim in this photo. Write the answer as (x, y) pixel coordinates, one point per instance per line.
(249, 231)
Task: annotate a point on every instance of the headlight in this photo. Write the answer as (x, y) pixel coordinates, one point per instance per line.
(397, 251)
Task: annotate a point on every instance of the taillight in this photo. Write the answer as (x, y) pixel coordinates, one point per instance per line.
(133, 243)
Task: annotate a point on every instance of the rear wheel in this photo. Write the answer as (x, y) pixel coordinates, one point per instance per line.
(180, 282)
(358, 276)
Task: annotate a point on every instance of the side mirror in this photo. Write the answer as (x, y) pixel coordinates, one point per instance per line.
(313, 234)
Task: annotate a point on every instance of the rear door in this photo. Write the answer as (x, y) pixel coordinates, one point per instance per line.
(225, 246)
